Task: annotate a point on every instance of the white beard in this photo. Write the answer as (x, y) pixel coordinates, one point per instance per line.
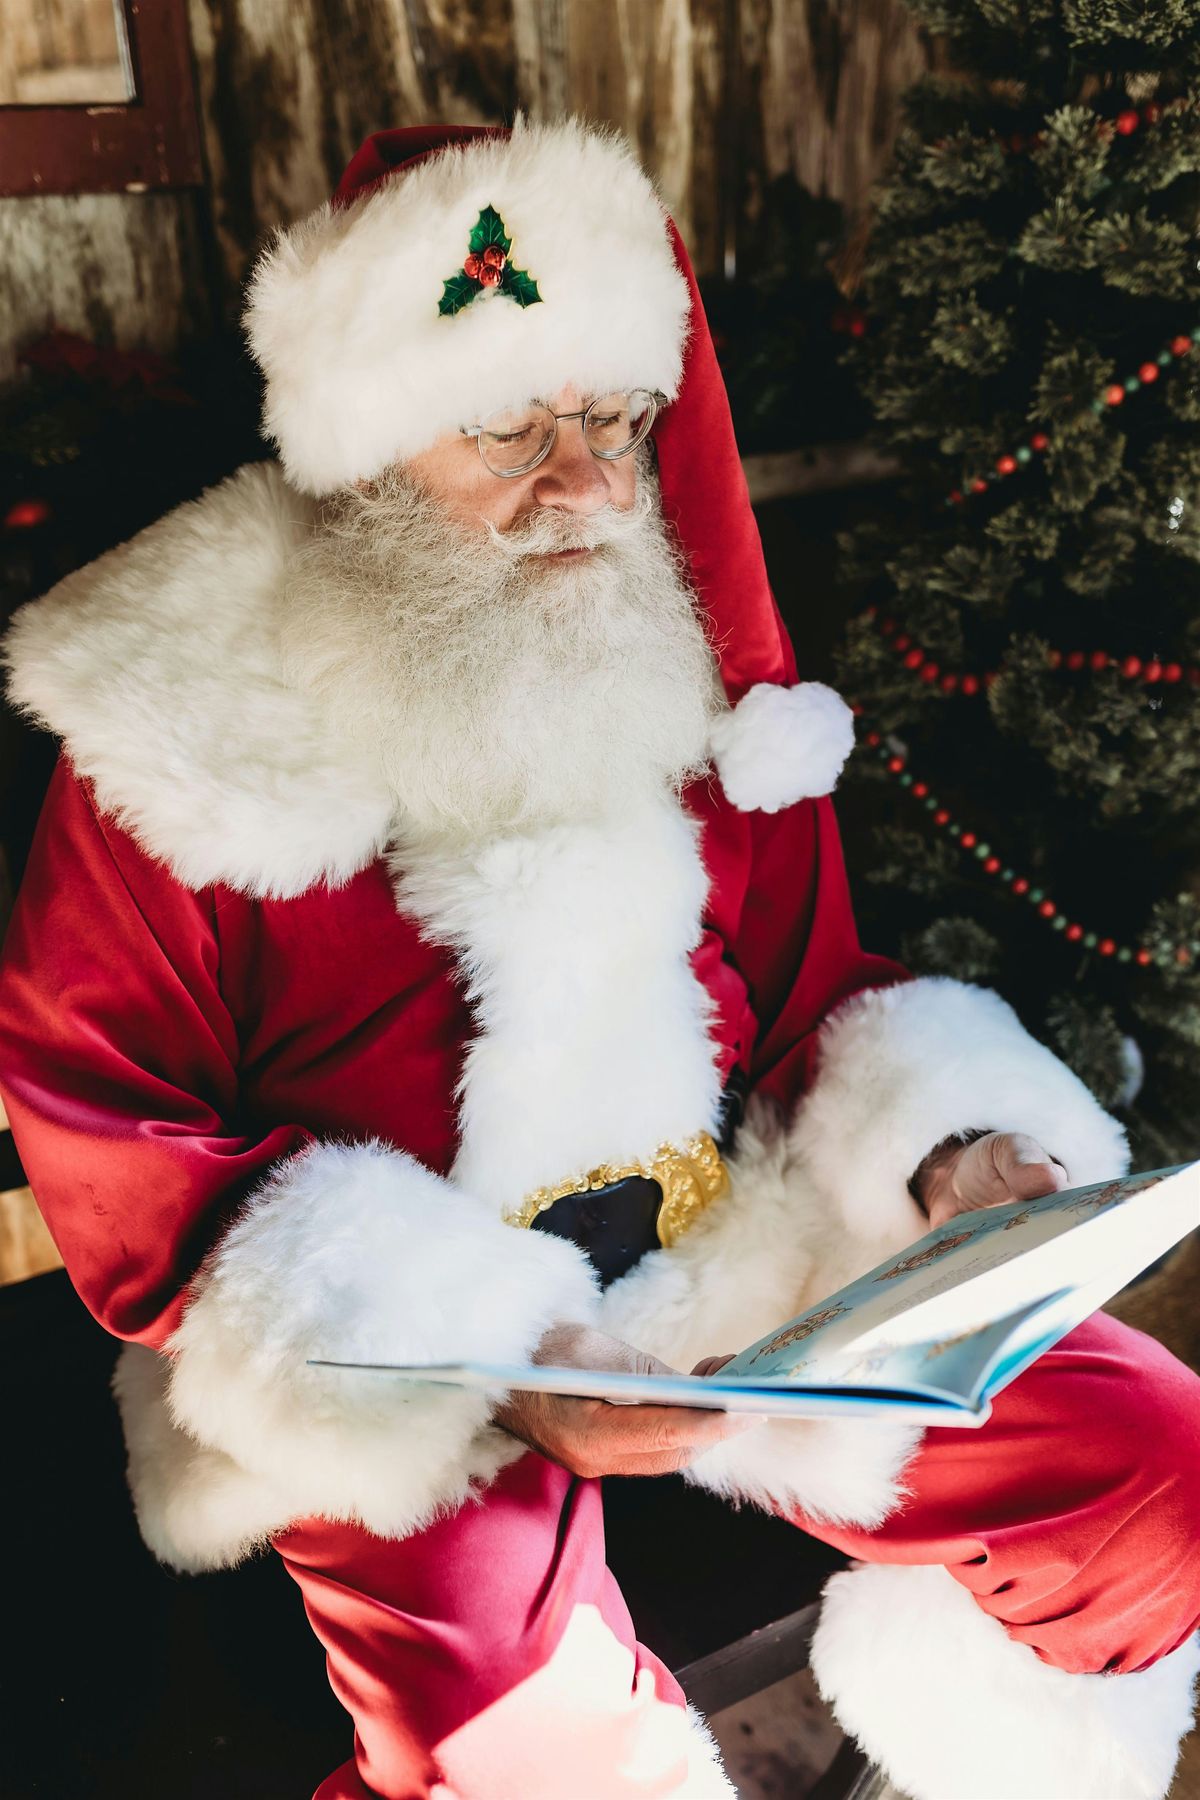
(500, 691)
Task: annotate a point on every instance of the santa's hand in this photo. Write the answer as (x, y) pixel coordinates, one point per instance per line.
(998, 1167)
(593, 1437)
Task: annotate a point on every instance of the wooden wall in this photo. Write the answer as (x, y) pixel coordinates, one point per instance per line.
(720, 96)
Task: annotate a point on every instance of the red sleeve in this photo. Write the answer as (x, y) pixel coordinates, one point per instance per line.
(118, 1064)
(797, 946)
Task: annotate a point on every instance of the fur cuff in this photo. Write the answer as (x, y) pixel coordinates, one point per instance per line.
(952, 1708)
(354, 1252)
(901, 1068)
(779, 745)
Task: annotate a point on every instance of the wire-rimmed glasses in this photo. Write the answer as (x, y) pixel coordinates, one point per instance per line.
(515, 440)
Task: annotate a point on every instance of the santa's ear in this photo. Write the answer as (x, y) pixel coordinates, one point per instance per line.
(782, 744)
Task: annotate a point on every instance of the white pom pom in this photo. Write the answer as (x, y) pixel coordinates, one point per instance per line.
(1133, 1067)
(780, 744)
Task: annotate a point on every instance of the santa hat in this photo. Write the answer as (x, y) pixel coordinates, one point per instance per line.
(460, 269)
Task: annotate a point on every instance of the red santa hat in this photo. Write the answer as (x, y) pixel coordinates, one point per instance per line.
(458, 269)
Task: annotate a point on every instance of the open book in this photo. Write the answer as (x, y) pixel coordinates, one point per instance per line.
(933, 1333)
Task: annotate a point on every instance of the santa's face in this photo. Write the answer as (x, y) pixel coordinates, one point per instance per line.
(516, 653)
(570, 480)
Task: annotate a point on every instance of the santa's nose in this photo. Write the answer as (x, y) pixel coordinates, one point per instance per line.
(571, 478)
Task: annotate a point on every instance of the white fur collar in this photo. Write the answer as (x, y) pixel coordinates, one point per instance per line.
(161, 667)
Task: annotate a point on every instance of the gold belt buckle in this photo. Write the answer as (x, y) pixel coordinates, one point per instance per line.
(690, 1178)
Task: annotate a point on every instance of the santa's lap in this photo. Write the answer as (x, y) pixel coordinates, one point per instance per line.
(493, 1653)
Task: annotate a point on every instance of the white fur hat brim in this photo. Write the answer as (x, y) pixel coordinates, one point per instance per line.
(343, 308)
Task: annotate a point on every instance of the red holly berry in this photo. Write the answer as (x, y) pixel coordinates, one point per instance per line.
(1180, 345)
(1148, 372)
(472, 266)
(494, 257)
(490, 276)
(1127, 122)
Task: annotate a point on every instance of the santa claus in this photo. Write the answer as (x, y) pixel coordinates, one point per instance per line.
(437, 945)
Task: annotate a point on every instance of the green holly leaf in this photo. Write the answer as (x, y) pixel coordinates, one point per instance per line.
(489, 229)
(458, 292)
(519, 286)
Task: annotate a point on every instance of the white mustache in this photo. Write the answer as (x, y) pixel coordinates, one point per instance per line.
(548, 529)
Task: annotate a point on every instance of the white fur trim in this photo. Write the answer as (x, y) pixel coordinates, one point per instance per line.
(901, 1068)
(592, 1043)
(160, 664)
(342, 312)
(762, 1254)
(779, 745)
(358, 1253)
(952, 1708)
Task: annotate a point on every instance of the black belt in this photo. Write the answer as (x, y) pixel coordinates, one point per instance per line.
(616, 1225)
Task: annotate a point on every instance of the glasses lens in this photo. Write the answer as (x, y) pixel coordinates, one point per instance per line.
(617, 423)
(514, 439)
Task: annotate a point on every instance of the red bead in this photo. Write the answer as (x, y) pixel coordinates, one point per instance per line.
(955, 496)
(1127, 122)
(1076, 659)
(929, 672)
(991, 864)
(920, 789)
(1149, 372)
(1131, 666)
(1099, 659)
(914, 659)
(1152, 671)
(968, 840)
(490, 275)
(1055, 659)
(949, 681)
(1143, 956)
(901, 643)
(23, 514)
(873, 739)
(1106, 947)
(1183, 955)
(858, 327)
(979, 485)
(1114, 393)
(1172, 671)
(1020, 885)
(472, 266)
(856, 708)
(1039, 441)
(970, 684)
(1047, 908)
(1006, 464)
(1074, 932)
(895, 764)
(941, 816)
(1180, 345)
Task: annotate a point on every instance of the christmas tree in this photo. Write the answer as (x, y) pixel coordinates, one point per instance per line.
(1026, 663)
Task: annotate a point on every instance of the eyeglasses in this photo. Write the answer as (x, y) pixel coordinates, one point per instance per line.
(516, 439)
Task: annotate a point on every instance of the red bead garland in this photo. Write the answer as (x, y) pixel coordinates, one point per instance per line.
(1150, 670)
(896, 763)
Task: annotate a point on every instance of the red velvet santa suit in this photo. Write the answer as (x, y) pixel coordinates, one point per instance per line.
(266, 1122)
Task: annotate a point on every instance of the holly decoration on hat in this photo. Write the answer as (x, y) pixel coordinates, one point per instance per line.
(486, 269)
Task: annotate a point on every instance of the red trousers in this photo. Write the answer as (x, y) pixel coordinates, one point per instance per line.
(497, 1639)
